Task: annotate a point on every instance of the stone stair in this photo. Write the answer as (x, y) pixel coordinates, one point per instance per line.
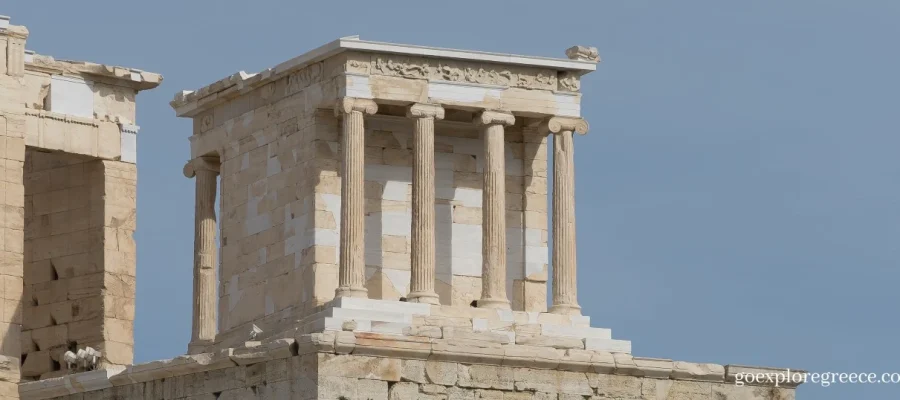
(575, 331)
(368, 315)
(396, 318)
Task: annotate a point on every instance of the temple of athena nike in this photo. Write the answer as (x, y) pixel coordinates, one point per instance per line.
(372, 223)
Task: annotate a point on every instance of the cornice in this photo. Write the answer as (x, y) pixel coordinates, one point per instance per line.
(186, 102)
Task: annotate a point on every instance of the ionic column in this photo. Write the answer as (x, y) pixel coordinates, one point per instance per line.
(352, 274)
(493, 253)
(421, 285)
(565, 297)
(205, 170)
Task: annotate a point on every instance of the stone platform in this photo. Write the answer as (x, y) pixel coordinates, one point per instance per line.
(374, 366)
(438, 321)
(378, 350)
(502, 326)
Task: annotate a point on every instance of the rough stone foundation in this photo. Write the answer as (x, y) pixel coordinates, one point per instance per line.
(365, 366)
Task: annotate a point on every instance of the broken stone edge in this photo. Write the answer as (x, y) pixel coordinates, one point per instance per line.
(393, 346)
(138, 79)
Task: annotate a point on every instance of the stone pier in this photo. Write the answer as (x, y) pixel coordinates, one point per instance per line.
(68, 190)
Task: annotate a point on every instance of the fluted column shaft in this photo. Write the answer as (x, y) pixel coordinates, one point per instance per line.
(352, 274)
(493, 276)
(421, 286)
(205, 170)
(565, 295)
(565, 298)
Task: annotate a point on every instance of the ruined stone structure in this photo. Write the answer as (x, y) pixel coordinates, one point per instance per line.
(67, 166)
(383, 234)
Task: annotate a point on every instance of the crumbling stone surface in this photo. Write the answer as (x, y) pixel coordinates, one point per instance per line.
(67, 213)
(309, 368)
(79, 253)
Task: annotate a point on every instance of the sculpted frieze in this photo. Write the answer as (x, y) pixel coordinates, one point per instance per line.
(299, 80)
(569, 82)
(454, 71)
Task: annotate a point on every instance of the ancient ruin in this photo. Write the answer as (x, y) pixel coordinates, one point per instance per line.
(383, 226)
(68, 153)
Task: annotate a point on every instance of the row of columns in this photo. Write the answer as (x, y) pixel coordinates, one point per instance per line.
(352, 268)
(351, 281)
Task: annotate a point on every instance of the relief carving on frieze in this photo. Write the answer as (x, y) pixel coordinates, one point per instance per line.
(569, 82)
(299, 80)
(455, 71)
(358, 66)
(402, 69)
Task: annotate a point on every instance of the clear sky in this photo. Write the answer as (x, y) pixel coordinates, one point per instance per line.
(738, 195)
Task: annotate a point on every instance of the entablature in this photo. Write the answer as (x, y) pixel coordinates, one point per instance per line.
(401, 74)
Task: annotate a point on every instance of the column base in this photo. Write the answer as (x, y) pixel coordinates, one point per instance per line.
(199, 346)
(565, 309)
(424, 297)
(501, 304)
(351, 292)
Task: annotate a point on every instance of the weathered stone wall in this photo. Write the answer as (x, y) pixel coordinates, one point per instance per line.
(62, 275)
(77, 211)
(119, 261)
(351, 377)
(327, 367)
(114, 101)
(79, 260)
(265, 144)
(97, 133)
(12, 206)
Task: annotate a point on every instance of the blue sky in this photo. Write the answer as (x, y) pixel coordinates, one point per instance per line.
(738, 196)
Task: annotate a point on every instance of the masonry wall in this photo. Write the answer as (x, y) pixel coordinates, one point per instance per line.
(322, 376)
(75, 114)
(265, 146)
(65, 295)
(59, 195)
(119, 221)
(79, 260)
(12, 207)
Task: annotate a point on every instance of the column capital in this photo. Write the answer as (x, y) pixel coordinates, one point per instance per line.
(346, 105)
(424, 110)
(494, 118)
(204, 163)
(559, 124)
